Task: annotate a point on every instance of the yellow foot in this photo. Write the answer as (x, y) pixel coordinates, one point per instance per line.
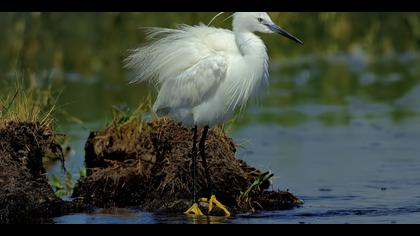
(214, 200)
(194, 210)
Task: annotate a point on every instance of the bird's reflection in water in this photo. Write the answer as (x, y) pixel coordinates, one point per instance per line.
(207, 219)
(182, 218)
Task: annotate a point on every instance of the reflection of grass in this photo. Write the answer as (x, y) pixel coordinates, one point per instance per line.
(27, 104)
(399, 114)
(389, 91)
(292, 118)
(336, 83)
(372, 115)
(288, 119)
(239, 120)
(335, 118)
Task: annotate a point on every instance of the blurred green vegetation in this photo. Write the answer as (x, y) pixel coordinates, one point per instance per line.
(95, 43)
(348, 59)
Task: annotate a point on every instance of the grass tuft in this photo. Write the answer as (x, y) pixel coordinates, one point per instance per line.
(27, 104)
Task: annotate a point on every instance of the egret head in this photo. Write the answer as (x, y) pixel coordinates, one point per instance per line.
(259, 22)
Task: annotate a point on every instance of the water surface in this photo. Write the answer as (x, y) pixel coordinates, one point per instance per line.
(341, 131)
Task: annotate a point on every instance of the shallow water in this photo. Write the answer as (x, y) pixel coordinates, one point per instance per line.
(341, 131)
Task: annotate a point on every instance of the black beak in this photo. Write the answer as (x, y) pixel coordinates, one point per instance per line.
(279, 30)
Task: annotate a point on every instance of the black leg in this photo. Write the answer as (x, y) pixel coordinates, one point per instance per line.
(194, 160)
(203, 156)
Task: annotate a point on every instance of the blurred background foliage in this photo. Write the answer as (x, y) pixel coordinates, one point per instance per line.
(347, 57)
(95, 43)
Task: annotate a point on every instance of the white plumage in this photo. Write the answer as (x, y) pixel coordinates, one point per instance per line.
(204, 73)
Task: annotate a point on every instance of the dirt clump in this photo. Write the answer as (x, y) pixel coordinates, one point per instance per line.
(149, 167)
(25, 194)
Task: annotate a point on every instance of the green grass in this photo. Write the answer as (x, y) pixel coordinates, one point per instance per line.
(27, 104)
(126, 117)
(245, 198)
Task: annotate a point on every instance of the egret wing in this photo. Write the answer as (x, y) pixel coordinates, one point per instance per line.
(187, 63)
(193, 85)
(169, 52)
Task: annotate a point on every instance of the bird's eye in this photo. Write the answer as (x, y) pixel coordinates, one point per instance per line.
(260, 19)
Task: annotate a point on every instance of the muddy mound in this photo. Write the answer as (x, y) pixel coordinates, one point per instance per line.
(25, 194)
(150, 167)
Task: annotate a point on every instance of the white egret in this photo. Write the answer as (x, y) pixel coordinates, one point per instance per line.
(204, 73)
